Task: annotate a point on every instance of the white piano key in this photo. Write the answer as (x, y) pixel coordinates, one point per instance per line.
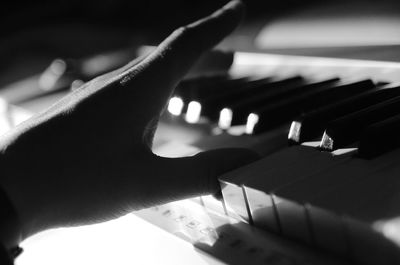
(213, 204)
(370, 246)
(283, 173)
(293, 220)
(369, 202)
(328, 230)
(231, 182)
(262, 209)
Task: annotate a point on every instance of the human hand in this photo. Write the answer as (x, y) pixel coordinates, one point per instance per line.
(88, 158)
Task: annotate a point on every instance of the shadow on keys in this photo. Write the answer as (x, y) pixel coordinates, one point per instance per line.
(237, 244)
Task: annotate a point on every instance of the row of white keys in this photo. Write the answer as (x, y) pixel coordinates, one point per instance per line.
(232, 182)
(359, 213)
(290, 201)
(282, 175)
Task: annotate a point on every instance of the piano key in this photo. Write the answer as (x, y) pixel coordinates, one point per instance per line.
(213, 104)
(263, 144)
(374, 219)
(279, 177)
(307, 190)
(326, 202)
(380, 137)
(336, 240)
(347, 129)
(247, 105)
(287, 109)
(227, 87)
(213, 91)
(260, 204)
(311, 125)
(366, 216)
(213, 204)
(198, 88)
(231, 182)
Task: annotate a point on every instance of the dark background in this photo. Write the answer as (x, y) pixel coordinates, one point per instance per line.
(32, 32)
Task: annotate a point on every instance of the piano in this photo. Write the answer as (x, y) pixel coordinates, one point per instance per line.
(337, 195)
(325, 190)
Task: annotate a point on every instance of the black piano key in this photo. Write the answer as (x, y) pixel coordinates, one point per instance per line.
(214, 91)
(380, 137)
(215, 102)
(347, 129)
(311, 125)
(286, 110)
(197, 88)
(242, 108)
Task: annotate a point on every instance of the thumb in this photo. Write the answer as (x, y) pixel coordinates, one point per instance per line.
(196, 175)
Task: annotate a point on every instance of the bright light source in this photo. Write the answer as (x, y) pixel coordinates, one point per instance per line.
(175, 106)
(225, 119)
(252, 120)
(193, 112)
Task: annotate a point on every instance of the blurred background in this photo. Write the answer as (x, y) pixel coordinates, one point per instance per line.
(45, 40)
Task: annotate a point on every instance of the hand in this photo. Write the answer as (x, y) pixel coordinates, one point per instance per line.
(88, 158)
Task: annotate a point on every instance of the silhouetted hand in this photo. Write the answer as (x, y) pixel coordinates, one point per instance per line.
(88, 159)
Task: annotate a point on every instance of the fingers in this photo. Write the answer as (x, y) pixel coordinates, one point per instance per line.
(191, 176)
(173, 58)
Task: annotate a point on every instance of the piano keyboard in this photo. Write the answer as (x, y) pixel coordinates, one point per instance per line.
(327, 130)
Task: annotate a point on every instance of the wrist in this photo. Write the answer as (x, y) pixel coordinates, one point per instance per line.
(10, 220)
(10, 228)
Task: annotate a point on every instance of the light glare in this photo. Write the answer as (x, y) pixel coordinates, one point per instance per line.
(252, 120)
(175, 106)
(193, 112)
(225, 119)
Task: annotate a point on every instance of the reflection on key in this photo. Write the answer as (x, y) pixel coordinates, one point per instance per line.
(193, 112)
(311, 125)
(175, 106)
(346, 130)
(225, 119)
(252, 120)
(254, 88)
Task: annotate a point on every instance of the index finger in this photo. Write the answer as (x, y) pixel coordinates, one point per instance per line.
(174, 57)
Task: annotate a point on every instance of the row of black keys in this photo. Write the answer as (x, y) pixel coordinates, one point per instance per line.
(342, 113)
